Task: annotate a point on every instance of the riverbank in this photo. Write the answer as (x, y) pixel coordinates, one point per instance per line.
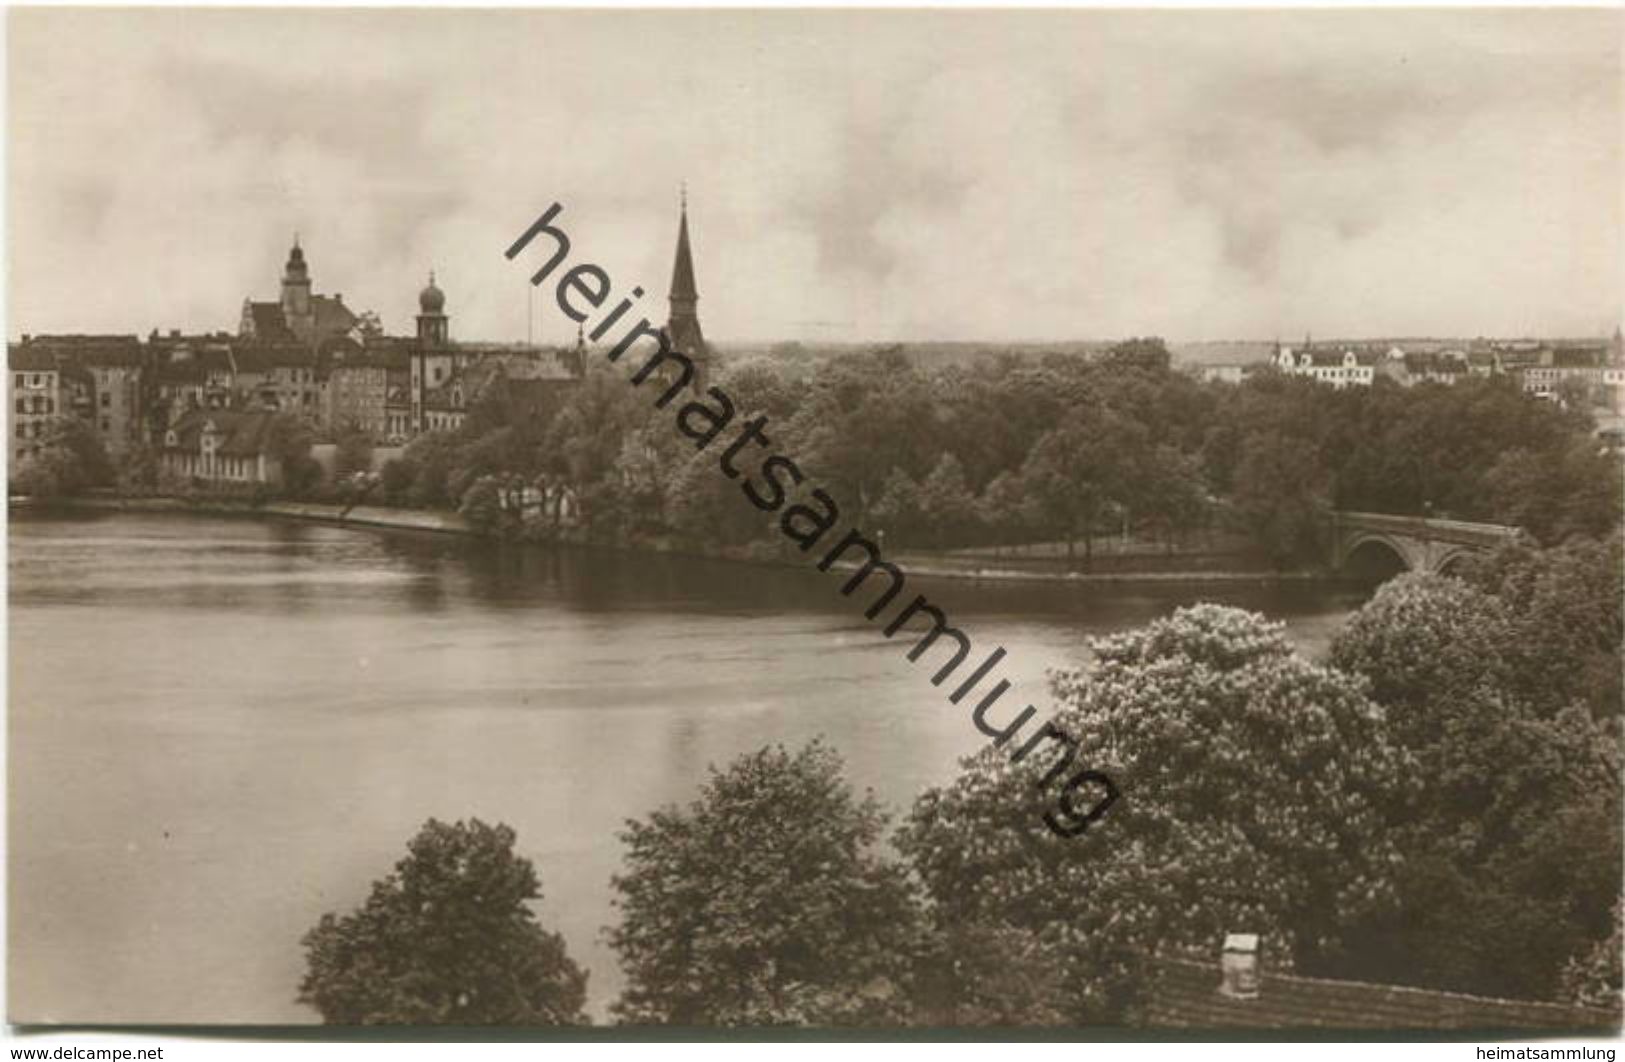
(383, 518)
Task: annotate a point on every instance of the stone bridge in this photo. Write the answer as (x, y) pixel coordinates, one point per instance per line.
(1415, 543)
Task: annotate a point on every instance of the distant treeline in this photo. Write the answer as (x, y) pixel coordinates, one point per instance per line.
(1061, 448)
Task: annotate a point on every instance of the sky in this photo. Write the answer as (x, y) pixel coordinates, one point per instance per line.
(852, 175)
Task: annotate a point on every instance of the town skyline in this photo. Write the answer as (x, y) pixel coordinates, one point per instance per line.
(1011, 198)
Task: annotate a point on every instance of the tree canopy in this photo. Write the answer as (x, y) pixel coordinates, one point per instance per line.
(448, 938)
(765, 902)
(1253, 787)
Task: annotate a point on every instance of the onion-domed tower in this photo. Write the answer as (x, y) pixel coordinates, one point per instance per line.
(434, 327)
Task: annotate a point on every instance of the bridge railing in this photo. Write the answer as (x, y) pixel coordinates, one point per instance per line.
(1425, 527)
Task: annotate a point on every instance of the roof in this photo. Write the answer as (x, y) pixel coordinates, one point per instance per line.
(263, 356)
(1186, 996)
(246, 434)
(1434, 363)
(332, 316)
(1334, 358)
(98, 350)
(29, 358)
(266, 321)
(682, 268)
(1579, 357)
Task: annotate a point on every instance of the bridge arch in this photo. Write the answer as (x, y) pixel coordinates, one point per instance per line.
(1376, 556)
(1381, 545)
(1448, 562)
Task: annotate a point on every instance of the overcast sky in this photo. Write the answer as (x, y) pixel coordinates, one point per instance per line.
(852, 175)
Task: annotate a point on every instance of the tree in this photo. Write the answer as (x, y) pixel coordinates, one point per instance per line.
(1554, 494)
(1002, 507)
(138, 471)
(352, 454)
(482, 506)
(288, 441)
(1149, 354)
(899, 510)
(1510, 832)
(1567, 609)
(1593, 979)
(764, 902)
(1252, 783)
(1281, 496)
(1078, 472)
(448, 938)
(397, 477)
(71, 458)
(947, 504)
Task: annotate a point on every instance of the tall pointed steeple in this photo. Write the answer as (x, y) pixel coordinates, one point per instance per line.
(683, 326)
(684, 296)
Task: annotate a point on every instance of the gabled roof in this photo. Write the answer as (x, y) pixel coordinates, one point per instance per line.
(1186, 995)
(267, 321)
(333, 318)
(1334, 358)
(245, 434)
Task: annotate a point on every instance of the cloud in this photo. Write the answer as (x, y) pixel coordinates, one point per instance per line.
(853, 175)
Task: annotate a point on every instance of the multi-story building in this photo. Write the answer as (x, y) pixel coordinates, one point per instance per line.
(33, 394)
(100, 381)
(1598, 368)
(1345, 369)
(358, 385)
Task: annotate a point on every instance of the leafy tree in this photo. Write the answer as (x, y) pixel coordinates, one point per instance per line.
(1078, 472)
(431, 457)
(1510, 833)
(1593, 979)
(289, 441)
(447, 939)
(72, 457)
(138, 471)
(398, 475)
(1567, 610)
(93, 466)
(899, 510)
(1252, 787)
(1553, 495)
(765, 902)
(1149, 354)
(352, 453)
(1002, 507)
(949, 506)
(482, 506)
(1281, 497)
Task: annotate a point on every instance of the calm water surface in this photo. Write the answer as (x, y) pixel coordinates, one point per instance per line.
(221, 729)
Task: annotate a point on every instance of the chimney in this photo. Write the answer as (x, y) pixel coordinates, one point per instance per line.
(1238, 966)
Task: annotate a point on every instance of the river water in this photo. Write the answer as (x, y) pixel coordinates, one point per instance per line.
(221, 728)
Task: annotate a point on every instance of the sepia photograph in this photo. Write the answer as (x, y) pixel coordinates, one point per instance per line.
(746, 523)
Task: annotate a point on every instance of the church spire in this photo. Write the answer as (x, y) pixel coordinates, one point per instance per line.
(683, 326)
(682, 270)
